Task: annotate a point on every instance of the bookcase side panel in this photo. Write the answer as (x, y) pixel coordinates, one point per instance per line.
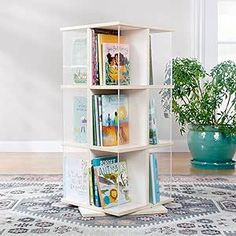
(76, 175)
(75, 117)
(75, 50)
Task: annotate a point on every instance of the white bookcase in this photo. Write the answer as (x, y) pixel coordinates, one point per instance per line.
(148, 46)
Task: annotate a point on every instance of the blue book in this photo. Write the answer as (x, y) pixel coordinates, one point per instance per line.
(154, 182)
(80, 119)
(100, 161)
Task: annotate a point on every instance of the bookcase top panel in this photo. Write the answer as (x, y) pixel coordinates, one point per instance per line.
(114, 25)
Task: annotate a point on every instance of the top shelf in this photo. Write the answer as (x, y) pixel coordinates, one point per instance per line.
(115, 25)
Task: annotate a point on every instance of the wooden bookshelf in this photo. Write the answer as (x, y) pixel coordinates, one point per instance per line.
(143, 43)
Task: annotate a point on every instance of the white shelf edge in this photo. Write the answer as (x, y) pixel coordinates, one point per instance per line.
(73, 86)
(115, 23)
(121, 148)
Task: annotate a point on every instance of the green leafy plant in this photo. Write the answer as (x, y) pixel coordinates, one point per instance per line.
(204, 99)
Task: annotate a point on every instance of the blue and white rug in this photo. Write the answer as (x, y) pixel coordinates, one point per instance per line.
(204, 205)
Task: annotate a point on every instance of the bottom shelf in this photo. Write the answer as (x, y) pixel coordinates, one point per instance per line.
(124, 209)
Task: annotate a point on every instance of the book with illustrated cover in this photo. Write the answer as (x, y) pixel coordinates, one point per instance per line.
(114, 54)
(111, 115)
(154, 189)
(80, 119)
(112, 181)
(76, 177)
(79, 59)
(102, 39)
(95, 56)
(99, 161)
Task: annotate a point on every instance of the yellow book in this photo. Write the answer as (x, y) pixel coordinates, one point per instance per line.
(105, 38)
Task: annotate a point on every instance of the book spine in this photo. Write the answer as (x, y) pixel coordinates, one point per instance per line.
(100, 60)
(99, 193)
(97, 120)
(91, 198)
(95, 190)
(154, 200)
(156, 181)
(94, 122)
(93, 57)
(100, 117)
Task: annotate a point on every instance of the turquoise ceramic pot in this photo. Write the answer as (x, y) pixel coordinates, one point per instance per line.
(210, 149)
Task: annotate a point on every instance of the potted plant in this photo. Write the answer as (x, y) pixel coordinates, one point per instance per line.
(206, 104)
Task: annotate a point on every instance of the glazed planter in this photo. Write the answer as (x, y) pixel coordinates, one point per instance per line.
(210, 148)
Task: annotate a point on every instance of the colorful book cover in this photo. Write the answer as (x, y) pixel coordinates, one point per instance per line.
(153, 133)
(105, 38)
(80, 119)
(95, 61)
(112, 112)
(99, 161)
(154, 190)
(114, 54)
(112, 183)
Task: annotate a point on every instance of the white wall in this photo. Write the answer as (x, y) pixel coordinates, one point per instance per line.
(31, 58)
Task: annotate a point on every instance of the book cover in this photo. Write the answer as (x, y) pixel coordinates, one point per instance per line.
(154, 191)
(100, 119)
(95, 61)
(80, 119)
(116, 57)
(153, 133)
(105, 38)
(76, 177)
(99, 161)
(112, 113)
(112, 183)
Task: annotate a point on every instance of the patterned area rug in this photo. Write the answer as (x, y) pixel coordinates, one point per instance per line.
(204, 205)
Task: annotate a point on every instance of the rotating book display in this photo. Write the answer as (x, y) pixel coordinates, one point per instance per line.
(117, 118)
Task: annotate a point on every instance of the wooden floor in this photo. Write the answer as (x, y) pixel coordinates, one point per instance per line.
(51, 163)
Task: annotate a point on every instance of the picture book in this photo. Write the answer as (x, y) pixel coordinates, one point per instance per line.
(116, 64)
(153, 134)
(80, 119)
(95, 61)
(99, 161)
(105, 38)
(76, 177)
(79, 74)
(112, 183)
(154, 191)
(112, 113)
(91, 197)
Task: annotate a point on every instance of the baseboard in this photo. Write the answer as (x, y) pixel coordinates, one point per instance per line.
(56, 146)
(31, 146)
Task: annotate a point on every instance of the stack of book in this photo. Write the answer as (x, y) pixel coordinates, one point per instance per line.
(110, 120)
(110, 58)
(108, 182)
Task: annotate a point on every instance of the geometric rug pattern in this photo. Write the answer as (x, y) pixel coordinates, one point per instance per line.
(204, 205)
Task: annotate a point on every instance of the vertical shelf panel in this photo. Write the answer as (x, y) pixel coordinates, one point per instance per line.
(75, 63)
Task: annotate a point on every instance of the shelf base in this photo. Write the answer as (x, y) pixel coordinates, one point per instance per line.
(124, 209)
